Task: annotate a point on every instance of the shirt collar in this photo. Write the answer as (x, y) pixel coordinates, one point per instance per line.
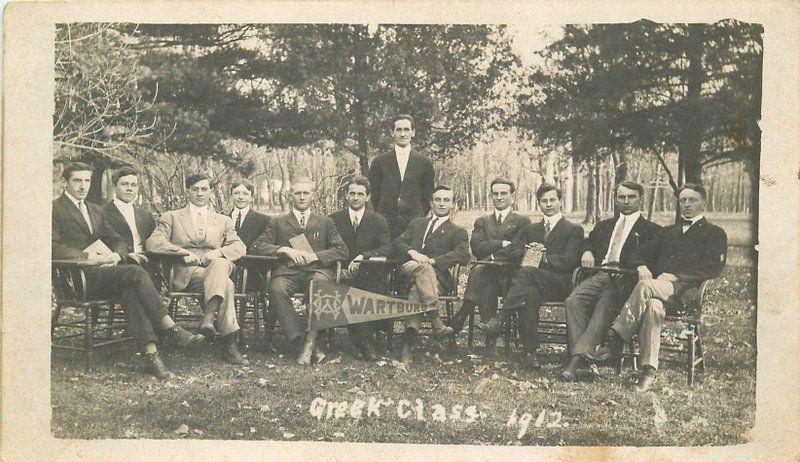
(632, 217)
(502, 213)
(72, 199)
(243, 212)
(440, 220)
(402, 151)
(195, 210)
(553, 220)
(359, 214)
(298, 214)
(696, 218)
(122, 204)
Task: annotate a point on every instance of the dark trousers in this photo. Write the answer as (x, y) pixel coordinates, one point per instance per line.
(529, 288)
(590, 310)
(281, 289)
(132, 287)
(484, 285)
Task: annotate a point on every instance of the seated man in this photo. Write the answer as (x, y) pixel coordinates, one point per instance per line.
(551, 280)
(213, 246)
(593, 305)
(77, 224)
(366, 235)
(248, 224)
(684, 255)
(431, 247)
(490, 235)
(294, 272)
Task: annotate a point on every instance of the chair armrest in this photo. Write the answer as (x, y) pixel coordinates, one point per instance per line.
(338, 274)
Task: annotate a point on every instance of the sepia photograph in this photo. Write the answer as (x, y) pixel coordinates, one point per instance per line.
(441, 233)
(403, 230)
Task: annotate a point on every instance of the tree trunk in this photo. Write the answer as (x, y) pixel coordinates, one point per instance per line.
(590, 194)
(96, 193)
(690, 170)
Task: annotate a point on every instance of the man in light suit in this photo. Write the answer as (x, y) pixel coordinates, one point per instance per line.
(491, 234)
(402, 181)
(430, 247)
(366, 235)
(592, 306)
(298, 267)
(550, 281)
(683, 256)
(213, 246)
(77, 224)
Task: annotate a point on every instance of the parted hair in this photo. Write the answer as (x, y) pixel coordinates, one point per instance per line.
(75, 167)
(243, 182)
(401, 117)
(546, 187)
(631, 185)
(694, 187)
(123, 171)
(500, 180)
(193, 179)
(360, 180)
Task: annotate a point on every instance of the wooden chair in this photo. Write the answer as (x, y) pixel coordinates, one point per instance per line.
(688, 314)
(97, 315)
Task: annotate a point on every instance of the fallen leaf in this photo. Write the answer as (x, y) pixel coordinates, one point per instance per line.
(381, 363)
(495, 376)
(270, 366)
(262, 382)
(338, 435)
(288, 435)
(335, 361)
(182, 430)
(252, 429)
(264, 408)
(184, 403)
(482, 384)
(197, 431)
(354, 390)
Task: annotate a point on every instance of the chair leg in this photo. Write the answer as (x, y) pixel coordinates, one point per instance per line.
(173, 308)
(110, 326)
(257, 319)
(701, 363)
(54, 319)
(470, 330)
(507, 334)
(88, 334)
(690, 356)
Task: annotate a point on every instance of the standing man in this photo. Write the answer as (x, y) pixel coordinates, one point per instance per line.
(491, 235)
(684, 255)
(213, 246)
(134, 224)
(430, 246)
(402, 181)
(550, 281)
(248, 223)
(592, 306)
(299, 266)
(78, 224)
(366, 235)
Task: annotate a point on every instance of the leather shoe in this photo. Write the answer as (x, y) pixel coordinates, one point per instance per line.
(156, 366)
(646, 380)
(443, 332)
(208, 331)
(570, 372)
(490, 327)
(230, 351)
(182, 337)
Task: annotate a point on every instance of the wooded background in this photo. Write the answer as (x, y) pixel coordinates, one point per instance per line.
(660, 104)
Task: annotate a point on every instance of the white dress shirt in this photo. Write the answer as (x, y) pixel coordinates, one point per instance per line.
(552, 220)
(693, 220)
(402, 154)
(439, 222)
(242, 213)
(630, 220)
(84, 212)
(199, 218)
(298, 215)
(501, 215)
(356, 215)
(127, 212)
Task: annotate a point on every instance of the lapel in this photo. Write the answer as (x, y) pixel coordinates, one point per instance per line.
(115, 214)
(76, 214)
(490, 222)
(185, 218)
(346, 231)
(139, 216)
(394, 168)
(634, 236)
(96, 215)
(554, 231)
(412, 159)
(294, 225)
(694, 229)
(312, 222)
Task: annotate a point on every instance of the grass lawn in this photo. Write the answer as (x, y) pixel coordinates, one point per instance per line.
(272, 399)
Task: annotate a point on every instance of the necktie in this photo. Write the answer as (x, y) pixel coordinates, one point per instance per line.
(616, 240)
(355, 224)
(429, 231)
(85, 212)
(546, 228)
(238, 220)
(303, 222)
(499, 218)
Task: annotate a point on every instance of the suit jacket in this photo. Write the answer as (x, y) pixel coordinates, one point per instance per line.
(145, 223)
(563, 246)
(71, 233)
(253, 226)
(447, 245)
(487, 238)
(176, 228)
(694, 256)
(401, 201)
(600, 239)
(372, 238)
(321, 233)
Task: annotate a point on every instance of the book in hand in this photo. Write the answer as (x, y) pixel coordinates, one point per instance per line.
(533, 255)
(300, 242)
(97, 247)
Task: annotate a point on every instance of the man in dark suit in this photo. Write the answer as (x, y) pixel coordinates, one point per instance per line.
(78, 224)
(430, 247)
(402, 181)
(683, 255)
(135, 224)
(366, 235)
(299, 266)
(491, 234)
(550, 281)
(592, 306)
(248, 224)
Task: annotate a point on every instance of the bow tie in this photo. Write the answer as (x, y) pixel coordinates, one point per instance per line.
(686, 222)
